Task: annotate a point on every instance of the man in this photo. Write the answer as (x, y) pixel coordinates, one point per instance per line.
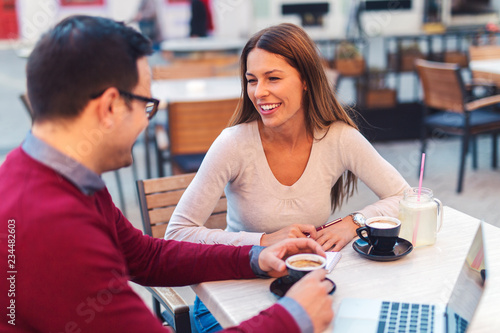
(68, 251)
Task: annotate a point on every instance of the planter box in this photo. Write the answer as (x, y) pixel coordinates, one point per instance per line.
(350, 67)
(380, 98)
(456, 57)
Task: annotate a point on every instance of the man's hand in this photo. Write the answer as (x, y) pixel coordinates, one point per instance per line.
(311, 292)
(271, 259)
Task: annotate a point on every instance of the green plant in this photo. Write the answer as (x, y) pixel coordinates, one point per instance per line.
(347, 50)
(410, 49)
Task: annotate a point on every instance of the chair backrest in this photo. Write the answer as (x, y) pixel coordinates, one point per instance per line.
(484, 52)
(213, 60)
(193, 126)
(442, 85)
(27, 104)
(333, 77)
(187, 68)
(179, 71)
(159, 197)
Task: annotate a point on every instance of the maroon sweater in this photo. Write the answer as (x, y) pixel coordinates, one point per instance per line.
(72, 256)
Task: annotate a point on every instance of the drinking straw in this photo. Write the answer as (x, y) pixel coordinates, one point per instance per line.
(415, 229)
(421, 175)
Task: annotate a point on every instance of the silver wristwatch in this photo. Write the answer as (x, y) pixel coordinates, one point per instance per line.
(358, 219)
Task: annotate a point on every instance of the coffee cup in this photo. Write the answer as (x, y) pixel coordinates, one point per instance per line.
(381, 232)
(300, 264)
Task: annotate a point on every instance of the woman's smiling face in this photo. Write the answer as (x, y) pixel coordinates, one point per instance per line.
(275, 88)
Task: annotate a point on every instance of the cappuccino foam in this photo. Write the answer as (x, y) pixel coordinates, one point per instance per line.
(383, 224)
(305, 263)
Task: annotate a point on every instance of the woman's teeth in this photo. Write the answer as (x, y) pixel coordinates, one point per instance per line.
(268, 107)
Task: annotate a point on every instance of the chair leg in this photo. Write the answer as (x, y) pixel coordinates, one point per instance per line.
(463, 155)
(494, 162)
(160, 163)
(134, 166)
(183, 323)
(157, 309)
(146, 152)
(120, 192)
(474, 152)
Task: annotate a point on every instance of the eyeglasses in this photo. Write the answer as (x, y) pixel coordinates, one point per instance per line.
(151, 103)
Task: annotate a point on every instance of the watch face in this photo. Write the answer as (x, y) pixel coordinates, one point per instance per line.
(359, 219)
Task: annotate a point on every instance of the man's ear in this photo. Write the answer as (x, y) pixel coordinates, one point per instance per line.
(106, 110)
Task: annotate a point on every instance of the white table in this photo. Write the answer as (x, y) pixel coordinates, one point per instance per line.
(425, 275)
(202, 89)
(491, 66)
(486, 69)
(202, 44)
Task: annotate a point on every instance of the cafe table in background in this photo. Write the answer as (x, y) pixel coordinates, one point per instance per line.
(488, 70)
(426, 275)
(199, 89)
(202, 46)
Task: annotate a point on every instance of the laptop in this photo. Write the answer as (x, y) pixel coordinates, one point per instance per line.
(377, 316)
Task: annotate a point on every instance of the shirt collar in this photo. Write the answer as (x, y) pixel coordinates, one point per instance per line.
(83, 178)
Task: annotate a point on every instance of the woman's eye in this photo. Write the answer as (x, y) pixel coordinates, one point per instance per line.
(251, 80)
(274, 78)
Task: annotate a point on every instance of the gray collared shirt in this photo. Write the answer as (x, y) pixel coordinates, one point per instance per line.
(83, 178)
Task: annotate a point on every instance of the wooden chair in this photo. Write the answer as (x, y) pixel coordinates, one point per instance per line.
(444, 92)
(192, 128)
(333, 77)
(158, 199)
(186, 68)
(484, 52)
(213, 60)
(179, 71)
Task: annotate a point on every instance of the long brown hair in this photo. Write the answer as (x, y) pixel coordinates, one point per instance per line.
(322, 108)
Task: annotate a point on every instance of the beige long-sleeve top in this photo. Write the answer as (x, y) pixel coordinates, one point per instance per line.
(258, 203)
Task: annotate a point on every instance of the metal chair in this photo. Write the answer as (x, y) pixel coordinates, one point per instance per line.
(158, 199)
(454, 114)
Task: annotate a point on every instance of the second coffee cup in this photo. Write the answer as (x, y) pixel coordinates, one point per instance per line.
(300, 264)
(381, 232)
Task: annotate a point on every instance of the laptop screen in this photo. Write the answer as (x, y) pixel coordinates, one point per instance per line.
(469, 287)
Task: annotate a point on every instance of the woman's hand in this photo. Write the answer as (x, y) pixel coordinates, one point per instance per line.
(291, 231)
(338, 235)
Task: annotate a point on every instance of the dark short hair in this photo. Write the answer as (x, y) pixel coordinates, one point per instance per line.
(80, 57)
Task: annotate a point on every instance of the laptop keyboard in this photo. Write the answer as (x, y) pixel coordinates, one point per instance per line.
(406, 317)
(460, 324)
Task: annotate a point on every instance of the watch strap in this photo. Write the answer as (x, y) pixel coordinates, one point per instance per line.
(358, 219)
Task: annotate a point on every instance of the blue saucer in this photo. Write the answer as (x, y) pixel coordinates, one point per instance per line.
(401, 249)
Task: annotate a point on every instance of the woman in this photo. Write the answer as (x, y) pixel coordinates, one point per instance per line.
(289, 158)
